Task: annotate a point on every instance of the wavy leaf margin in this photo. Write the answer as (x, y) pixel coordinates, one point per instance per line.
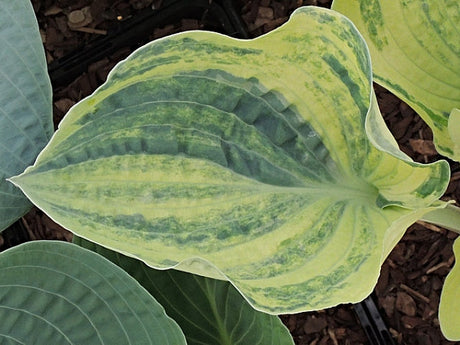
(415, 55)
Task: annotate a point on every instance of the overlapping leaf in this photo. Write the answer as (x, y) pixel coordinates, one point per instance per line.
(449, 317)
(58, 293)
(25, 102)
(241, 160)
(415, 54)
(209, 311)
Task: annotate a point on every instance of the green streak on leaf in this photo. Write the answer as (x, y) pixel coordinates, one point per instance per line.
(373, 17)
(420, 60)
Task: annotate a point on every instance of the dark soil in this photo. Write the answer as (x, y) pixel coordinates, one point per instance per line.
(411, 278)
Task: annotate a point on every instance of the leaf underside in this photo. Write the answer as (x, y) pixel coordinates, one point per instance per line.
(208, 311)
(416, 55)
(57, 293)
(25, 102)
(241, 160)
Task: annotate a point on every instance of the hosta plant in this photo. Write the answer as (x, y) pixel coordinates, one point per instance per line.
(416, 55)
(59, 293)
(263, 162)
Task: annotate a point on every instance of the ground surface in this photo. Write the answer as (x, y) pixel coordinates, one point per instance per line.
(411, 279)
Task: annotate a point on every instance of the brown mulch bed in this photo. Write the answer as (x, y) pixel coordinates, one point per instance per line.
(411, 278)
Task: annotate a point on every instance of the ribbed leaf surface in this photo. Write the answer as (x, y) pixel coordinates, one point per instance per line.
(449, 317)
(240, 160)
(416, 54)
(209, 311)
(58, 293)
(25, 102)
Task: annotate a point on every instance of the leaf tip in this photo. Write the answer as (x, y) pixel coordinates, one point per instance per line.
(13, 180)
(16, 180)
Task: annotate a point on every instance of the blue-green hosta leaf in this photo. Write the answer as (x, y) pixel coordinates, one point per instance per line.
(58, 293)
(449, 316)
(240, 160)
(25, 102)
(209, 311)
(415, 53)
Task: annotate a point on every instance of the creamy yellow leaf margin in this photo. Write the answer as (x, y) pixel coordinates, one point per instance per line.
(416, 55)
(449, 316)
(244, 160)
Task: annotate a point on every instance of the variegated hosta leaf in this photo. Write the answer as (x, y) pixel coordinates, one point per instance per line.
(454, 128)
(449, 316)
(415, 52)
(209, 311)
(58, 293)
(240, 160)
(25, 102)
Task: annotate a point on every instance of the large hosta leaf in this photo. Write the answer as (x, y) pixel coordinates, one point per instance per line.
(25, 102)
(241, 160)
(58, 293)
(415, 53)
(449, 316)
(209, 311)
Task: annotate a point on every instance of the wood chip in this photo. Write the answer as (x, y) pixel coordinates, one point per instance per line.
(314, 324)
(331, 333)
(397, 335)
(190, 24)
(437, 267)
(428, 312)
(455, 176)
(79, 18)
(258, 23)
(49, 57)
(64, 104)
(430, 226)
(43, 35)
(405, 304)
(52, 38)
(156, 4)
(265, 12)
(140, 4)
(411, 321)
(291, 323)
(29, 230)
(271, 25)
(53, 10)
(414, 293)
(432, 250)
(76, 17)
(314, 342)
(164, 31)
(63, 26)
(91, 30)
(388, 304)
(424, 147)
(340, 333)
